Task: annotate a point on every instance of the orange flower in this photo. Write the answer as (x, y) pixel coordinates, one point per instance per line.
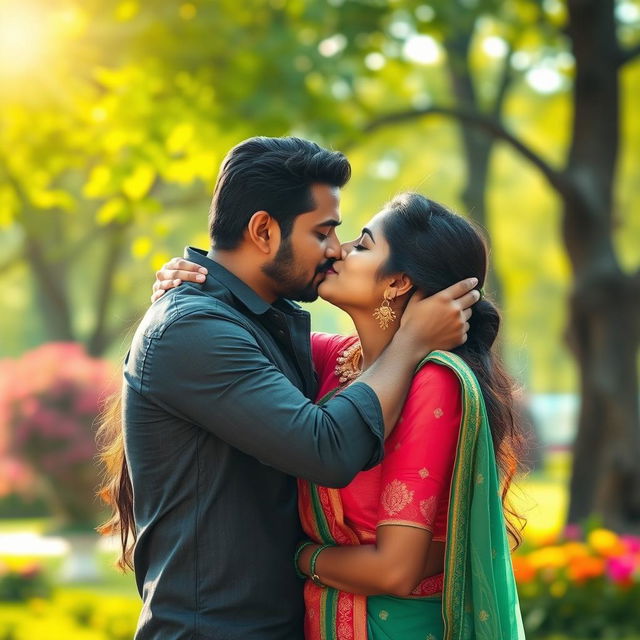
(586, 568)
(576, 550)
(523, 570)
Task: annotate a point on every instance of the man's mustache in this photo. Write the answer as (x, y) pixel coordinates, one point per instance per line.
(325, 266)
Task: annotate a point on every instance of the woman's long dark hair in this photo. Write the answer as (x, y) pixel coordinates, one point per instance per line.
(437, 248)
(116, 490)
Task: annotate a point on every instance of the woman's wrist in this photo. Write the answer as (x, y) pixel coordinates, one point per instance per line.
(303, 557)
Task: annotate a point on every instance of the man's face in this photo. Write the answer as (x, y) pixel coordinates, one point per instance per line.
(303, 258)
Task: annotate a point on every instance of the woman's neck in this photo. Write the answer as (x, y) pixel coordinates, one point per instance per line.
(372, 339)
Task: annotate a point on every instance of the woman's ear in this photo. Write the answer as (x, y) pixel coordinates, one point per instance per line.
(263, 231)
(400, 285)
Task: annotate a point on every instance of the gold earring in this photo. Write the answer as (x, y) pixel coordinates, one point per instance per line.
(384, 314)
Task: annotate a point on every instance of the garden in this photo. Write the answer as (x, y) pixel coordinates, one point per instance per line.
(521, 114)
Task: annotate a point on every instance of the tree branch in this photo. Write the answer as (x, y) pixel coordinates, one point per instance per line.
(506, 77)
(627, 55)
(490, 125)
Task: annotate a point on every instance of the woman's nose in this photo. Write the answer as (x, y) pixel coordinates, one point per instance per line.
(345, 249)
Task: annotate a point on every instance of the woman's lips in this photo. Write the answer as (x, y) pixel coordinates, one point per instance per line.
(332, 271)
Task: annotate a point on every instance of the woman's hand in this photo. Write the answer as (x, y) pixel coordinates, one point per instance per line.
(174, 273)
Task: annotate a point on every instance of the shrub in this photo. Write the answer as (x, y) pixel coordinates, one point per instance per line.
(22, 581)
(48, 406)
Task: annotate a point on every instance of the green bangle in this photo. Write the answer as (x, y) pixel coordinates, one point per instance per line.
(315, 578)
(296, 557)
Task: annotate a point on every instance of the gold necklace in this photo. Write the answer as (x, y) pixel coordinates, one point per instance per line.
(349, 365)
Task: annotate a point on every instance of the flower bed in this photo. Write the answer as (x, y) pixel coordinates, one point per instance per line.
(71, 614)
(586, 588)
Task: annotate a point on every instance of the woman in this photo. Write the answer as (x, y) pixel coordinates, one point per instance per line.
(416, 547)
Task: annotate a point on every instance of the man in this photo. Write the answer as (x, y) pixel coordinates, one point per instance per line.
(217, 401)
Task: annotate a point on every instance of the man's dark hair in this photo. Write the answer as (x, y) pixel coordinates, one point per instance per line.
(273, 175)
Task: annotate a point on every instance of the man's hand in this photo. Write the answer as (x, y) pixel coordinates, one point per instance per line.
(174, 273)
(440, 321)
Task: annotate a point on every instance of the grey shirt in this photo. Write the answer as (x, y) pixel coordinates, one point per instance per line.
(218, 419)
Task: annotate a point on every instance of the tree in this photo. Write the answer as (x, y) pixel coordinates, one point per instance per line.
(604, 309)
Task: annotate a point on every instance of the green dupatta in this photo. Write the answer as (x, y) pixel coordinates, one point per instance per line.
(479, 599)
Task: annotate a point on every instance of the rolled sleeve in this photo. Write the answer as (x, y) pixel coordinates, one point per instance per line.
(367, 404)
(210, 371)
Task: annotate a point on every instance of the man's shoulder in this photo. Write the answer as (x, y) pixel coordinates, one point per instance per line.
(188, 303)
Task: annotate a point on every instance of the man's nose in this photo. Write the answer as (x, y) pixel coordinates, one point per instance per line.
(334, 249)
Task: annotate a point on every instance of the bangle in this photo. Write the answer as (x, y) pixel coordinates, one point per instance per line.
(296, 557)
(315, 578)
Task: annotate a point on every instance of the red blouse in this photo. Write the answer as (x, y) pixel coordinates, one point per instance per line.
(411, 486)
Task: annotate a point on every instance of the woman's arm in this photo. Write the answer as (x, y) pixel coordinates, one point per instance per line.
(395, 565)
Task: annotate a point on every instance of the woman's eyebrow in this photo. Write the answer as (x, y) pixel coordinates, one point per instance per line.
(368, 232)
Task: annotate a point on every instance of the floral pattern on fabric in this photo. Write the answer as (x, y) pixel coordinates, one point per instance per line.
(395, 497)
(428, 508)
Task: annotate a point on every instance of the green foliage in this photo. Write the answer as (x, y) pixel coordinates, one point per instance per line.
(108, 158)
(23, 582)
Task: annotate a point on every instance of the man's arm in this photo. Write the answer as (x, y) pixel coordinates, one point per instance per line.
(437, 322)
(210, 371)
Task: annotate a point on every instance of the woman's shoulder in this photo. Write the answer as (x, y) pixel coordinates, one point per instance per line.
(329, 343)
(433, 384)
(433, 373)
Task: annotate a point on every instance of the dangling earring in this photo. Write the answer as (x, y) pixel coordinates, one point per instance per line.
(384, 314)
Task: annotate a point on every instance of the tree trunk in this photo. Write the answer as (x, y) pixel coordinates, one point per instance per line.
(51, 295)
(604, 306)
(477, 144)
(101, 336)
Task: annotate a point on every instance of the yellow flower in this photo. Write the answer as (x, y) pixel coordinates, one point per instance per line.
(605, 542)
(548, 557)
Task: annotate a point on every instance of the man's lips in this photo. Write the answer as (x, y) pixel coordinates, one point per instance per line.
(331, 270)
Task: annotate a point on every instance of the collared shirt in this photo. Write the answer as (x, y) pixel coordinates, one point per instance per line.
(218, 422)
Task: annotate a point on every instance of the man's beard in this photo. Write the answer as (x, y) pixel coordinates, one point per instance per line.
(291, 283)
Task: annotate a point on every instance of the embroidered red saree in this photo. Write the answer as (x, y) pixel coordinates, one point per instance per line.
(459, 498)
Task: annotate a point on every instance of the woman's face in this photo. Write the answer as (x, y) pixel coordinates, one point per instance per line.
(354, 282)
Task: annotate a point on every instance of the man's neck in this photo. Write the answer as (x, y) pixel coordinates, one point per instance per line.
(245, 268)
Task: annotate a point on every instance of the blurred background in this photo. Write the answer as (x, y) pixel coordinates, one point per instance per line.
(521, 114)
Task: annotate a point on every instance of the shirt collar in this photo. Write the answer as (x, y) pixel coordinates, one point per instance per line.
(240, 290)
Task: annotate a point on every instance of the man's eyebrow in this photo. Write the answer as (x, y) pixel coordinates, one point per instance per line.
(368, 232)
(330, 223)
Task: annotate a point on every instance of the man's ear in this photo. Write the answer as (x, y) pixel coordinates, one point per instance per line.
(263, 232)
(401, 284)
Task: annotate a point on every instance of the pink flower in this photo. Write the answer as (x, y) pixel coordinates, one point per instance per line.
(620, 569)
(631, 543)
(572, 532)
(50, 399)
